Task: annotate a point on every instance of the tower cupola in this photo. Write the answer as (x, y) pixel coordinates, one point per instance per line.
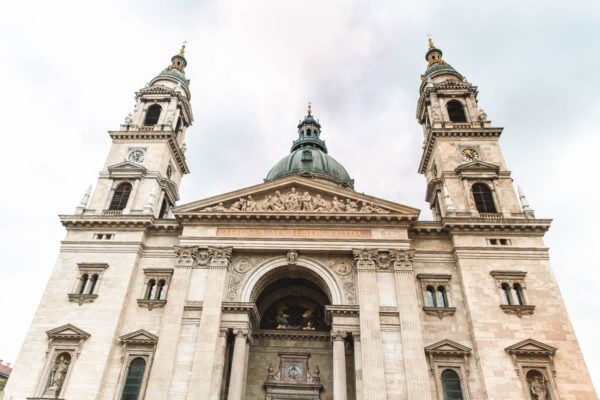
(309, 132)
(309, 157)
(436, 66)
(174, 75)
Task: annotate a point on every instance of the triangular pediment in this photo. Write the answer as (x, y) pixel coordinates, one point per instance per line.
(296, 195)
(140, 336)
(447, 346)
(530, 346)
(67, 332)
(126, 166)
(478, 166)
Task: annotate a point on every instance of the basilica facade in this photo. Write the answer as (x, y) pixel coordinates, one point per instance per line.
(300, 287)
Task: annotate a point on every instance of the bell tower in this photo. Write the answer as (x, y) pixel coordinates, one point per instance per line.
(462, 160)
(146, 162)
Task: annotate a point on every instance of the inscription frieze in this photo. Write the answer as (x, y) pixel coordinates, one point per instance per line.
(295, 233)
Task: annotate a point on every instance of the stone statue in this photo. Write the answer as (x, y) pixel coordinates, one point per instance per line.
(270, 373)
(251, 204)
(319, 204)
(277, 202)
(292, 203)
(239, 205)
(337, 205)
(366, 207)
(316, 373)
(537, 388)
(292, 257)
(435, 117)
(307, 204)
(351, 206)
(128, 119)
(482, 115)
(57, 377)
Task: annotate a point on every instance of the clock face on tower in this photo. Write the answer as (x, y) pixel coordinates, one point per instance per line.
(136, 155)
(470, 154)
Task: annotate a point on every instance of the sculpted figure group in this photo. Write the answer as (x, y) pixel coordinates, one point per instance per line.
(295, 201)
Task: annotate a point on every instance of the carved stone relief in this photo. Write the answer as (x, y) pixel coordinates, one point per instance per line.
(297, 202)
(241, 266)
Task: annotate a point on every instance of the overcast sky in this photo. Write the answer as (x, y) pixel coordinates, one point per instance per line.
(70, 69)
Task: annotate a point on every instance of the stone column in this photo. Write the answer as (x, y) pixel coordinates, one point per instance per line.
(415, 364)
(217, 377)
(358, 366)
(339, 365)
(370, 326)
(164, 358)
(238, 365)
(210, 322)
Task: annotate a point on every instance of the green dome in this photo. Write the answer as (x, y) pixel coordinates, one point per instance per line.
(312, 161)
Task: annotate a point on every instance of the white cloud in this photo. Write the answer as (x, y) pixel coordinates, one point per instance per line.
(70, 69)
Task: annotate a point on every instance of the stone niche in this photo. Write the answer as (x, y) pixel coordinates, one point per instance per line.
(293, 379)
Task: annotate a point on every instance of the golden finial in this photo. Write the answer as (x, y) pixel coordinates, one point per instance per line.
(182, 51)
(431, 45)
(309, 108)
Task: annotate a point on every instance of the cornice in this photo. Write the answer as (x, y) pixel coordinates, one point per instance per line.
(514, 226)
(166, 91)
(219, 218)
(442, 88)
(127, 221)
(453, 133)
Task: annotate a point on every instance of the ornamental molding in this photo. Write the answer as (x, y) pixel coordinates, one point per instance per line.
(281, 334)
(82, 298)
(442, 89)
(140, 337)
(150, 304)
(295, 198)
(121, 221)
(532, 352)
(439, 312)
(518, 310)
(67, 332)
(383, 259)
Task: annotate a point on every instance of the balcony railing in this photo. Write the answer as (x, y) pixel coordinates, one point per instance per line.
(112, 212)
(490, 215)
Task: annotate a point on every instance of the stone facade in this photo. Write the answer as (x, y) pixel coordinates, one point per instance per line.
(300, 287)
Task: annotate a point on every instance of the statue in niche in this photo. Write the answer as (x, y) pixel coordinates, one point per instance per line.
(537, 388)
(320, 204)
(337, 205)
(58, 375)
(292, 203)
(294, 312)
(315, 377)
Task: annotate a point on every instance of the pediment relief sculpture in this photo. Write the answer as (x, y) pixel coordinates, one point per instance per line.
(294, 201)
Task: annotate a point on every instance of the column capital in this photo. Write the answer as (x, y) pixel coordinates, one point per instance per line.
(403, 259)
(338, 335)
(219, 257)
(356, 337)
(365, 259)
(185, 256)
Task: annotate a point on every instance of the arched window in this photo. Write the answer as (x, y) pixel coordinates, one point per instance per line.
(82, 282)
(120, 197)
(133, 382)
(442, 300)
(451, 385)
(152, 115)
(151, 289)
(93, 282)
(169, 171)
(308, 132)
(456, 112)
(484, 201)
(506, 297)
(162, 290)
(430, 296)
(518, 294)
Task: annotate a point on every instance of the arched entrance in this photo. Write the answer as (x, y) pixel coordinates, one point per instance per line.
(291, 352)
